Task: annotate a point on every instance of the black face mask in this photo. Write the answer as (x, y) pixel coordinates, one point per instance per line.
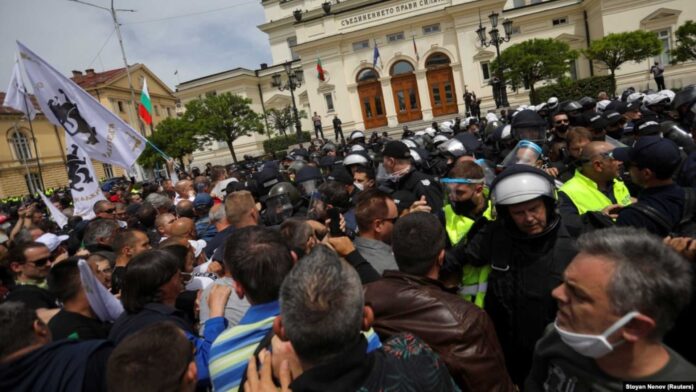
(463, 207)
(561, 128)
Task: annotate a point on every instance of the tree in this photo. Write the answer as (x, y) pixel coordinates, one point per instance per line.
(282, 119)
(618, 48)
(686, 43)
(224, 117)
(177, 137)
(532, 61)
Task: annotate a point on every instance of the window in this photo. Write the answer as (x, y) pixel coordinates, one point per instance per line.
(518, 3)
(20, 144)
(328, 97)
(402, 67)
(664, 37)
(395, 37)
(108, 170)
(33, 181)
(560, 21)
(120, 107)
(367, 74)
(437, 60)
(430, 29)
(292, 42)
(156, 110)
(485, 71)
(361, 45)
(515, 29)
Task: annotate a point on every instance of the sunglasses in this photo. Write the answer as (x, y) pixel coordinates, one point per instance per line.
(41, 262)
(110, 211)
(559, 122)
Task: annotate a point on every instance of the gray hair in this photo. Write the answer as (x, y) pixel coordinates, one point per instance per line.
(159, 200)
(217, 213)
(97, 229)
(649, 276)
(321, 304)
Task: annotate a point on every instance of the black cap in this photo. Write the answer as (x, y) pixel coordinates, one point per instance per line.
(396, 149)
(527, 118)
(613, 105)
(327, 161)
(595, 121)
(340, 174)
(612, 117)
(647, 126)
(307, 173)
(652, 152)
(633, 106)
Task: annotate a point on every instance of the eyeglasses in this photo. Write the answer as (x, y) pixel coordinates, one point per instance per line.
(41, 262)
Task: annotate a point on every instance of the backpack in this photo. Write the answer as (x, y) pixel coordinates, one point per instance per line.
(687, 224)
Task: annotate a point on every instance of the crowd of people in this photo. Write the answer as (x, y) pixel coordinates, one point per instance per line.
(547, 248)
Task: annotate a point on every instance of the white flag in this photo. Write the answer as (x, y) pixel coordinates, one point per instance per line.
(102, 134)
(84, 184)
(104, 304)
(58, 217)
(16, 96)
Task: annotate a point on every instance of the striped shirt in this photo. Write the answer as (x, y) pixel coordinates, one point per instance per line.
(231, 350)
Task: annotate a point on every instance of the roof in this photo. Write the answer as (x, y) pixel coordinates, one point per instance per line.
(93, 79)
(9, 110)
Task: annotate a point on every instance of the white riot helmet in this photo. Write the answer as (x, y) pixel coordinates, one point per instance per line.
(521, 183)
(355, 159)
(439, 139)
(452, 147)
(490, 117)
(446, 127)
(552, 104)
(430, 131)
(355, 135)
(356, 148)
(410, 143)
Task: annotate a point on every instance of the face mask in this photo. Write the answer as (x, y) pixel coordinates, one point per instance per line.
(358, 186)
(594, 346)
(463, 207)
(561, 128)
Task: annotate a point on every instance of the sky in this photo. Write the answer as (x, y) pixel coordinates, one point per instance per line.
(195, 37)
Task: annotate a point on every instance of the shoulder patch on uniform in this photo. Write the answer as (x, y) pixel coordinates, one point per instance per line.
(425, 182)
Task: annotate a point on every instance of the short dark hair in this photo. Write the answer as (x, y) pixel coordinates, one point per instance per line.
(417, 240)
(259, 260)
(152, 359)
(296, 232)
(178, 251)
(371, 205)
(17, 252)
(335, 193)
(147, 214)
(64, 280)
(368, 170)
(185, 209)
(100, 206)
(17, 330)
(123, 239)
(145, 274)
(321, 304)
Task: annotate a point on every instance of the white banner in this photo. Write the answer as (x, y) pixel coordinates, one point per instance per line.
(16, 96)
(101, 133)
(84, 183)
(58, 217)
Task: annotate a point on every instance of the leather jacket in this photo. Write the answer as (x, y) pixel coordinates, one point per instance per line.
(460, 332)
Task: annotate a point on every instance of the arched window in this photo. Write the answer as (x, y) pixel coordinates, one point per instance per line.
(401, 67)
(437, 60)
(20, 144)
(367, 74)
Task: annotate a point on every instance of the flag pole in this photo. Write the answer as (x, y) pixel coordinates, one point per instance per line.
(33, 139)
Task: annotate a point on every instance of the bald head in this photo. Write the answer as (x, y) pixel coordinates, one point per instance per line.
(183, 227)
(183, 188)
(597, 162)
(593, 149)
(163, 223)
(184, 208)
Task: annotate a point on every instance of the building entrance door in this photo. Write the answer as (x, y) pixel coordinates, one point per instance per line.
(443, 98)
(405, 91)
(371, 99)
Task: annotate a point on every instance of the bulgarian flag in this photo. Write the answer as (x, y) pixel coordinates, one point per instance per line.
(320, 71)
(145, 107)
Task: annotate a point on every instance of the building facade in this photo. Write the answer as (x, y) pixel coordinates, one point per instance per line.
(429, 55)
(33, 161)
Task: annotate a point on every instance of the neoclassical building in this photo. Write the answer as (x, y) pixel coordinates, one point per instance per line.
(429, 55)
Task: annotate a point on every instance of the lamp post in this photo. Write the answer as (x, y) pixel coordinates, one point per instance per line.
(294, 81)
(496, 40)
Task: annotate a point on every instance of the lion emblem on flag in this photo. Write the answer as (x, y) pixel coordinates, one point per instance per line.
(69, 117)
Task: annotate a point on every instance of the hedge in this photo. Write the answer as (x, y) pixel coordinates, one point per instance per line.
(567, 89)
(281, 143)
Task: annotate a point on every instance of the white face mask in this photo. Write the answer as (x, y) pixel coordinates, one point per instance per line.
(359, 186)
(594, 346)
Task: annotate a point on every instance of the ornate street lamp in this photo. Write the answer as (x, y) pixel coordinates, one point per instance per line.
(496, 40)
(294, 81)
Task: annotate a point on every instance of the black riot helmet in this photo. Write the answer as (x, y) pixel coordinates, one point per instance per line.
(528, 125)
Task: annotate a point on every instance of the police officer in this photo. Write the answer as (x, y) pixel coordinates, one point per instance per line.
(397, 173)
(528, 248)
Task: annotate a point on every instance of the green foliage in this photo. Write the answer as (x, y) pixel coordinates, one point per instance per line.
(283, 119)
(618, 48)
(532, 61)
(567, 89)
(281, 143)
(177, 137)
(686, 43)
(225, 117)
